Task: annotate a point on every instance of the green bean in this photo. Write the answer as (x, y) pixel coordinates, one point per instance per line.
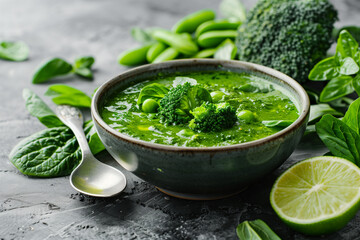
(206, 53)
(168, 54)
(150, 106)
(214, 38)
(178, 41)
(135, 56)
(223, 24)
(246, 116)
(154, 51)
(192, 21)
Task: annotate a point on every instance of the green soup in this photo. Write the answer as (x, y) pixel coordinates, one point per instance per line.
(243, 91)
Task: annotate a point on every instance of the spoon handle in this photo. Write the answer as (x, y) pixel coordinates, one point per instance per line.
(73, 118)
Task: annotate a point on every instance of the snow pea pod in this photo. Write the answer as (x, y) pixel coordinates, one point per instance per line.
(211, 25)
(154, 51)
(135, 56)
(214, 38)
(178, 41)
(190, 22)
(206, 53)
(169, 54)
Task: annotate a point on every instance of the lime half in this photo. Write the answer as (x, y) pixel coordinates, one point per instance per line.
(318, 195)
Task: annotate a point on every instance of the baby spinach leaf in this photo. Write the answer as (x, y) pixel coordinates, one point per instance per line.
(318, 110)
(277, 123)
(348, 66)
(14, 51)
(140, 35)
(84, 62)
(63, 94)
(39, 109)
(325, 70)
(339, 138)
(346, 46)
(233, 9)
(82, 67)
(154, 91)
(353, 30)
(256, 230)
(95, 143)
(226, 50)
(352, 116)
(52, 68)
(182, 80)
(53, 152)
(336, 88)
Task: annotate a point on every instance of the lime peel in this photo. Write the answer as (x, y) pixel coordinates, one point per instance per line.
(318, 195)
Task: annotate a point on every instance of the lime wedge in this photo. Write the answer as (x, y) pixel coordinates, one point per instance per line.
(318, 195)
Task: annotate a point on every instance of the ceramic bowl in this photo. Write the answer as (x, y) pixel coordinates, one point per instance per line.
(206, 172)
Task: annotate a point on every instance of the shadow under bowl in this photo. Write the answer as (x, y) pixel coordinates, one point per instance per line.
(201, 172)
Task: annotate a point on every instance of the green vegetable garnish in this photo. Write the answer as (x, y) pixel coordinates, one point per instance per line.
(255, 230)
(14, 51)
(63, 94)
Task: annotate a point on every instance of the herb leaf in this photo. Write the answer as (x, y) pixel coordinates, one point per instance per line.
(324, 70)
(233, 9)
(14, 51)
(339, 138)
(348, 66)
(84, 72)
(226, 50)
(53, 152)
(346, 46)
(254, 230)
(63, 94)
(352, 116)
(53, 68)
(336, 88)
(39, 109)
(154, 91)
(82, 66)
(277, 123)
(318, 110)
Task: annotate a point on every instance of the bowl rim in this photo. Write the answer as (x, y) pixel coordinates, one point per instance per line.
(303, 98)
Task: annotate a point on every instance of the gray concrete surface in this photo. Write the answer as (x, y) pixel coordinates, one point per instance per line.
(32, 208)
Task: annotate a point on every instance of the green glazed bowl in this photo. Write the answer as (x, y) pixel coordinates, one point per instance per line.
(201, 172)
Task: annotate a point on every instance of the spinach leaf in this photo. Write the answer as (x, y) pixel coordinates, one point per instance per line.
(277, 123)
(52, 68)
(348, 66)
(233, 9)
(182, 80)
(325, 70)
(154, 91)
(82, 67)
(356, 83)
(339, 138)
(39, 109)
(318, 110)
(53, 152)
(140, 35)
(226, 50)
(14, 51)
(352, 116)
(95, 143)
(256, 229)
(353, 30)
(63, 94)
(346, 46)
(336, 88)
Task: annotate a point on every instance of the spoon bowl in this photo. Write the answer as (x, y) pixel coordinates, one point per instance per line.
(91, 176)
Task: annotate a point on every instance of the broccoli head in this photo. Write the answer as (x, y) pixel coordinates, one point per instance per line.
(211, 117)
(288, 35)
(176, 105)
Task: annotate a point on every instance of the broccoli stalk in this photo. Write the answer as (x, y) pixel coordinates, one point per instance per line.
(288, 35)
(176, 105)
(211, 117)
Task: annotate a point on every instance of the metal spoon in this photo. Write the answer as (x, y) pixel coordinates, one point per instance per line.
(91, 177)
